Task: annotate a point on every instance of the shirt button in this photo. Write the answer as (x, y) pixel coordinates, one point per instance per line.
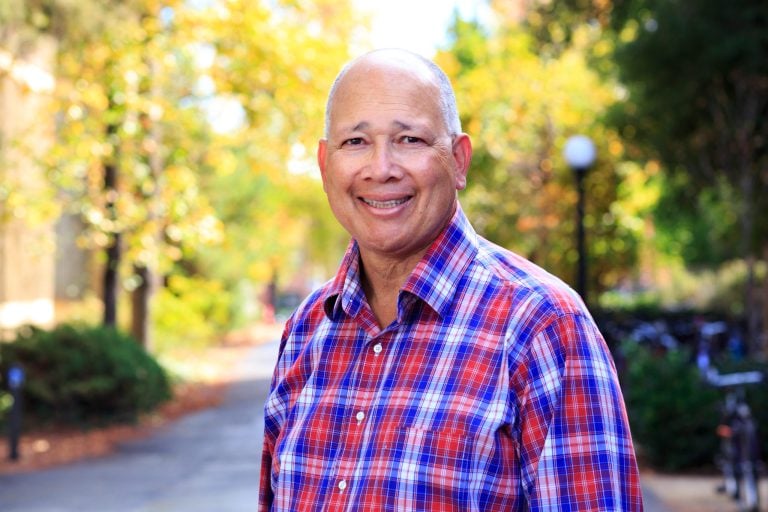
(360, 416)
(342, 485)
(377, 348)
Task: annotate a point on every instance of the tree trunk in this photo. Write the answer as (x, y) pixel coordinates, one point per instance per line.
(141, 320)
(141, 307)
(113, 250)
(751, 310)
(764, 325)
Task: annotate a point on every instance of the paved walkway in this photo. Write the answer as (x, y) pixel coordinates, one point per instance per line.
(692, 493)
(209, 462)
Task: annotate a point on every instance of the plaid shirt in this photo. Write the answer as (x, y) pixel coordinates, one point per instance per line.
(493, 390)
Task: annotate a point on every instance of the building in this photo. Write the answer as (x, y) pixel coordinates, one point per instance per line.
(27, 232)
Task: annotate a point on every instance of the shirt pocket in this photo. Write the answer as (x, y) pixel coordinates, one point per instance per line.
(430, 468)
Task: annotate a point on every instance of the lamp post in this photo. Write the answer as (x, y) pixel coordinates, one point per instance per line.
(579, 153)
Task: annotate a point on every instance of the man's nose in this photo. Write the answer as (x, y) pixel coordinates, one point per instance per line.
(383, 164)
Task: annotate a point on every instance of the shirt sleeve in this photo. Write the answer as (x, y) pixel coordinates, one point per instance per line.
(575, 445)
(265, 484)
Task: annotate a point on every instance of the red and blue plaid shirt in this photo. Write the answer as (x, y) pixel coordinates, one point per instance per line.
(492, 390)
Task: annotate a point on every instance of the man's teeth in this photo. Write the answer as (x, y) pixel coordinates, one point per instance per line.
(385, 204)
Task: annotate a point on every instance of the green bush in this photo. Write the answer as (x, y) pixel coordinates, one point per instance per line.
(84, 375)
(673, 413)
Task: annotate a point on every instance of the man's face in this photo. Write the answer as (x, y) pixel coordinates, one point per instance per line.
(389, 166)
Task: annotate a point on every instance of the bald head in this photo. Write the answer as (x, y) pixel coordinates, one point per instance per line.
(415, 66)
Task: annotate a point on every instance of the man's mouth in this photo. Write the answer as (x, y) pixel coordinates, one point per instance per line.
(391, 203)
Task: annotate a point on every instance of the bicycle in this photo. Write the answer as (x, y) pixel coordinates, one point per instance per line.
(739, 449)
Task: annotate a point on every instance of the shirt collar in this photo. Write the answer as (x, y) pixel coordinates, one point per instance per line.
(434, 279)
(345, 293)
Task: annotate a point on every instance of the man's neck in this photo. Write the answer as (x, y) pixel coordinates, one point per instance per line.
(382, 279)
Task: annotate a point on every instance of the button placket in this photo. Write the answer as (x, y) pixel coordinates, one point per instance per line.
(369, 374)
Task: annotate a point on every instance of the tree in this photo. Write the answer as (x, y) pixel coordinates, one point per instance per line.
(697, 78)
(141, 158)
(554, 25)
(129, 148)
(274, 62)
(519, 109)
(33, 30)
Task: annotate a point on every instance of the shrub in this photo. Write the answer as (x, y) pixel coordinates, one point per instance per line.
(673, 413)
(84, 375)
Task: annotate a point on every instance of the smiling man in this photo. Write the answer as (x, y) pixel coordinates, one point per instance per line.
(436, 371)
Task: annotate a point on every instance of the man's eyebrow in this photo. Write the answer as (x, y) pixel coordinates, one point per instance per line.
(402, 126)
(363, 125)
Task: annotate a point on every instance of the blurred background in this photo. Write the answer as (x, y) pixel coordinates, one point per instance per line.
(158, 176)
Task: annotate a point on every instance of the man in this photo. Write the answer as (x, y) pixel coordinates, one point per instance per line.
(436, 371)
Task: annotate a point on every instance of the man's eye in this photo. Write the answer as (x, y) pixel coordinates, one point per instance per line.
(409, 139)
(355, 141)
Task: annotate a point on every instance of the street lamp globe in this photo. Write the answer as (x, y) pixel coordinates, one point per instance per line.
(579, 152)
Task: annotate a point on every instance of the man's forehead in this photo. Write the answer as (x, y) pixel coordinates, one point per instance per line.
(361, 112)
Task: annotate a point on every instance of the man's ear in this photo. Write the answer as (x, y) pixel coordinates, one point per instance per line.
(462, 156)
(322, 148)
